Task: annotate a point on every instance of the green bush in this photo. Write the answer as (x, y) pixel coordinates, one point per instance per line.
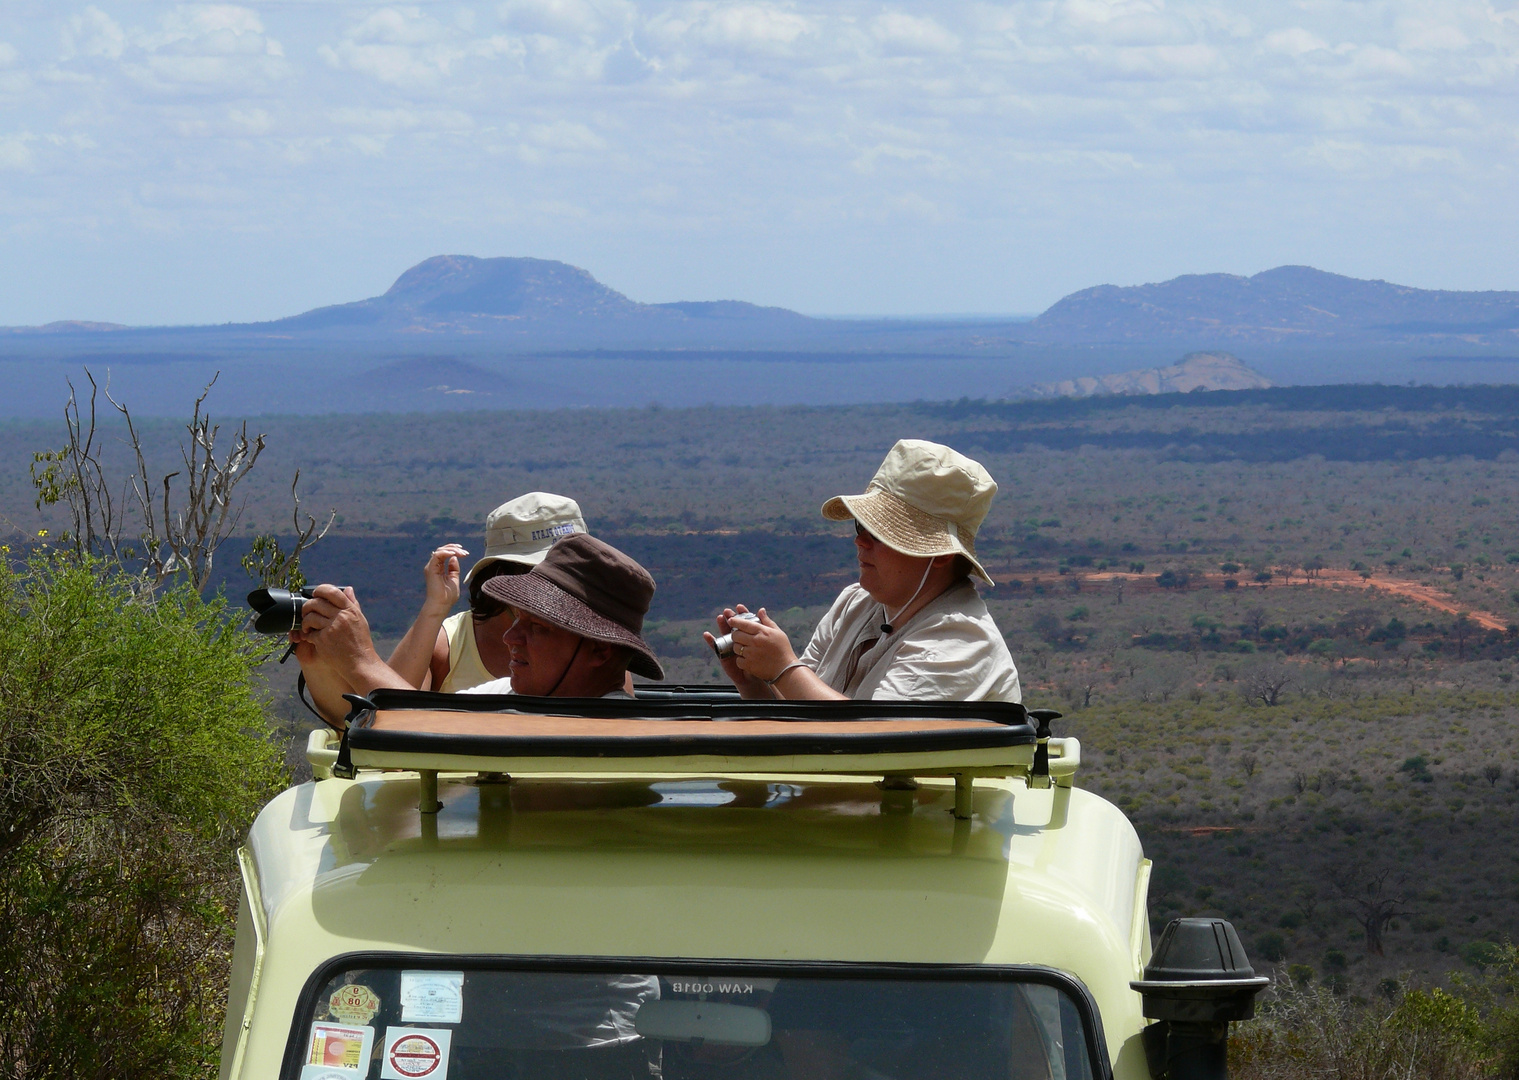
(1306, 1031)
(134, 751)
(1271, 946)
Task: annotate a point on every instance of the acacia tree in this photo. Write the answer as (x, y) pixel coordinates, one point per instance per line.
(1265, 683)
(1374, 897)
(144, 525)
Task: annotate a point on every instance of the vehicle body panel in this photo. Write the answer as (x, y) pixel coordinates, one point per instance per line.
(744, 868)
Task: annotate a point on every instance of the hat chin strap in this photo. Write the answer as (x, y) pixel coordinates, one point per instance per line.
(573, 656)
(890, 618)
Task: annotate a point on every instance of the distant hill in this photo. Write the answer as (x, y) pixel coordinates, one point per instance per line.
(1288, 304)
(457, 332)
(463, 294)
(1196, 371)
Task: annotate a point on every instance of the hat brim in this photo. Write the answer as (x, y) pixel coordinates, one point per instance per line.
(904, 528)
(545, 600)
(528, 559)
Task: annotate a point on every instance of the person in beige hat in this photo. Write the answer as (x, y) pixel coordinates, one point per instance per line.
(451, 653)
(914, 626)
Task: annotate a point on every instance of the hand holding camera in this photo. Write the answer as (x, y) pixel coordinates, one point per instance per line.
(752, 648)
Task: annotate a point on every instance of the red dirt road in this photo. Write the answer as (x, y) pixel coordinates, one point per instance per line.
(1424, 595)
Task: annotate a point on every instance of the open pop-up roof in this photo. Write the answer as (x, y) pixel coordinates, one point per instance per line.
(677, 731)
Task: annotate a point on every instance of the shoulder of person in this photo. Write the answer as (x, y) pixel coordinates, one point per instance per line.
(958, 604)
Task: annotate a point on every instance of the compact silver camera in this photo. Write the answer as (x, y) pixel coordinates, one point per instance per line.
(723, 646)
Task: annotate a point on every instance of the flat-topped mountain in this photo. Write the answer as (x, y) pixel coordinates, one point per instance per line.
(1195, 371)
(1290, 303)
(463, 293)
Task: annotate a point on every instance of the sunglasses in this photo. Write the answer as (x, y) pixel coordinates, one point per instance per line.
(862, 533)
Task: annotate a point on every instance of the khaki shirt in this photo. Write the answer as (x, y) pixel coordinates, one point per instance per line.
(949, 651)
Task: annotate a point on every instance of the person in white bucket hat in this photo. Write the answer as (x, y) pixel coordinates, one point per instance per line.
(451, 653)
(914, 626)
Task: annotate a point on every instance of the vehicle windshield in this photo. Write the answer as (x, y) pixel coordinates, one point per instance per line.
(479, 1024)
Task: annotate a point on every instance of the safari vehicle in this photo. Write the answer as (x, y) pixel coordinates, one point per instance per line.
(688, 886)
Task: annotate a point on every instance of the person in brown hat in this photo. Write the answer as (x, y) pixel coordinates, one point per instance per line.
(577, 633)
(914, 626)
(450, 653)
(579, 622)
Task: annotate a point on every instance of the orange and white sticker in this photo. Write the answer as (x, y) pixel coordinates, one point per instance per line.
(340, 1047)
(415, 1053)
(353, 1004)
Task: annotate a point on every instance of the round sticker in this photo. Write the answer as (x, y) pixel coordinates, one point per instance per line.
(415, 1055)
(353, 1004)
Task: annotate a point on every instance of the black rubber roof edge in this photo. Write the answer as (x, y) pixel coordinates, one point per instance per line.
(702, 703)
(361, 737)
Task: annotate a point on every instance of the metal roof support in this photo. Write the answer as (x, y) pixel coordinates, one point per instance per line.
(963, 795)
(427, 801)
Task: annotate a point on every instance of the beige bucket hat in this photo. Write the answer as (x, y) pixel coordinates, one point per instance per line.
(924, 500)
(523, 530)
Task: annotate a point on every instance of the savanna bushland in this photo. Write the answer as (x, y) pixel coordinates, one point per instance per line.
(1283, 624)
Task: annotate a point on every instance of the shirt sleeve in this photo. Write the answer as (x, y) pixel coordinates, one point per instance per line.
(951, 658)
(495, 686)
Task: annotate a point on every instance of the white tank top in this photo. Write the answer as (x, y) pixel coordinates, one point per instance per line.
(465, 668)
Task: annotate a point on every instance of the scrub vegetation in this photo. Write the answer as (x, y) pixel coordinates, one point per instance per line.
(1283, 623)
(134, 751)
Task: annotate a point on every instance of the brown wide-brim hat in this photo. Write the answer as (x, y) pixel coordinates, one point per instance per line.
(925, 500)
(588, 587)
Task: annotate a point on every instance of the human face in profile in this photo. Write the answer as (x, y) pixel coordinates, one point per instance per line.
(885, 573)
(541, 655)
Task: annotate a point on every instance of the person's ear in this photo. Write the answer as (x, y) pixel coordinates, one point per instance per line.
(599, 653)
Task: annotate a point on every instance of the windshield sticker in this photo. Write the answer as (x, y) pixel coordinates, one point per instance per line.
(339, 1047)
(353, 1004)
(432, 997)
(415, 1052)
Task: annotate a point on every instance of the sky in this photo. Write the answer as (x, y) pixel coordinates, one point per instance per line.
(198, 163)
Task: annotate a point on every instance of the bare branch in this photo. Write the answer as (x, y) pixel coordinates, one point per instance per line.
(178, 533)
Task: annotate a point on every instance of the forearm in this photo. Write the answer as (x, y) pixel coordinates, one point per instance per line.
(373, 674)
(803, 684)
(326, 688)
(412, 658)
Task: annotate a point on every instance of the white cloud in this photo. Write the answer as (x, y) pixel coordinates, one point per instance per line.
(907, 34)
(553, 17)
(15, 151)
(732, 27)
(1294, 41)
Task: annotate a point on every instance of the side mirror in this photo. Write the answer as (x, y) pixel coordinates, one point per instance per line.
(1197, 981)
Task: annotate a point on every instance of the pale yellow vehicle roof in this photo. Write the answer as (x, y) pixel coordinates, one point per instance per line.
(779, 868)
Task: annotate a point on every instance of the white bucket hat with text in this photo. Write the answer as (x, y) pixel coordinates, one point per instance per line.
(523, 530)
(925, 500)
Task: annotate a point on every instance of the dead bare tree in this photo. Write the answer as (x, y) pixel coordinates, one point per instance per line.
(148, 528)
(1374, 897)
(1265, 683)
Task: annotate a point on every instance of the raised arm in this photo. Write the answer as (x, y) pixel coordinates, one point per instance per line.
(414, 659)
